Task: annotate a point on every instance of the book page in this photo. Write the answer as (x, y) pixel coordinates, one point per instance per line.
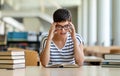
(70, 65)
(54, 66)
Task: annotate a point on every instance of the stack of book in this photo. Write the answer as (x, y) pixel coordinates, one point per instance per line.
(12, 59)
(111, 60)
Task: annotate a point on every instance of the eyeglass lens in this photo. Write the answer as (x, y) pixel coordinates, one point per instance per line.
(61, 27)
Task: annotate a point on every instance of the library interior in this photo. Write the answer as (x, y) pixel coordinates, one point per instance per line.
(24, 24)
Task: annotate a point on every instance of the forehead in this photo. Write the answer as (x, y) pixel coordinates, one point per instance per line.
(63, 23)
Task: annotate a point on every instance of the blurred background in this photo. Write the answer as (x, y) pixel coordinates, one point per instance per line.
(97, 21)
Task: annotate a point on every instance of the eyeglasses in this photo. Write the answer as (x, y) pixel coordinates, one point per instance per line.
(59, 27)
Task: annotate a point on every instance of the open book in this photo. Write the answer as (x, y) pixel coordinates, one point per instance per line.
(63, 66)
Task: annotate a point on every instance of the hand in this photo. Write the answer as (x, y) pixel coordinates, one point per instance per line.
(72, 30)
(52, 30)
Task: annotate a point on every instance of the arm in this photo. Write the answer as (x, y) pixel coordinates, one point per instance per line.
(45, 54)
(78, 48)
(78, 52)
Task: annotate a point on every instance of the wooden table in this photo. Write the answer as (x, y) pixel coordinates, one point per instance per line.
(82, 71)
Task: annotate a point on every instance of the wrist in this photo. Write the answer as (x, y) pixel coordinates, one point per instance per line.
(74, 40)
(73, 36)
(50, 36)
(49, 39)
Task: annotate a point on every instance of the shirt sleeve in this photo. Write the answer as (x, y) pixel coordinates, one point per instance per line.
(79, 39)
(43, 43)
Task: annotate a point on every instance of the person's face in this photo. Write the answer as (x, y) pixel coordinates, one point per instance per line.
(62, 27)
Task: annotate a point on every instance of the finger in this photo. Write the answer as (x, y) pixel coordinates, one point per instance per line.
(70, 30)
(71, 23)
(72, 26)
(54, 23)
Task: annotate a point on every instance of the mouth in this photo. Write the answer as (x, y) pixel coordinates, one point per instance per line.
(63, 33)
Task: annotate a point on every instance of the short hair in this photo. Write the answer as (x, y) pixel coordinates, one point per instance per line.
(62, 15)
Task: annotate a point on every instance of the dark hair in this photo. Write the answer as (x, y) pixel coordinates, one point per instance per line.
(62, 15)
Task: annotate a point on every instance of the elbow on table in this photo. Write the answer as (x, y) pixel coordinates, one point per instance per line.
(43, 63)
(80, 62)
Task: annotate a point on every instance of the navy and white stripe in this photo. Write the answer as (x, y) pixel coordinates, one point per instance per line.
(64, 55)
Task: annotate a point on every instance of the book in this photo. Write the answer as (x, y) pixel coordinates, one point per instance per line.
(112, 56)
(63, 66)
(12, 53)
(110, 60)
(110, 63)
(12, 61)
(93, 59)
(11, 57)
(10, 66)
(111, 66)
(107, 63)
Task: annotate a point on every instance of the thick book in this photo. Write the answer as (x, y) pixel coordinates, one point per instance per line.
(110, 63)
(63, 66)
(12, 61)
(12, 53)
(112, 56)
(4, 57)
(12, 66)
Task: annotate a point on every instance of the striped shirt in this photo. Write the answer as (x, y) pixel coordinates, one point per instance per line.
(64, 55)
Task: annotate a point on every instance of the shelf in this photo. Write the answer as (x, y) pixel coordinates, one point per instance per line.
(23, 41)
(32, 45)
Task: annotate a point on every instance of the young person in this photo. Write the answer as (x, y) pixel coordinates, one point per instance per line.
(62, 44)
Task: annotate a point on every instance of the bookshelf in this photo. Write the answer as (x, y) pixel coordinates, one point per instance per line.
(32, 45)
(25, 40)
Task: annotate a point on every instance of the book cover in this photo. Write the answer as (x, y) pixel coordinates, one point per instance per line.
(12, 53)
(63, 66)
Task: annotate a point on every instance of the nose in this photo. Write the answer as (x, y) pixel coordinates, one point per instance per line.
(62, 29)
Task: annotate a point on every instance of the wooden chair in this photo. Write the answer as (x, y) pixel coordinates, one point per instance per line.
(32, 58)
(91, 50)
(115, 51)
